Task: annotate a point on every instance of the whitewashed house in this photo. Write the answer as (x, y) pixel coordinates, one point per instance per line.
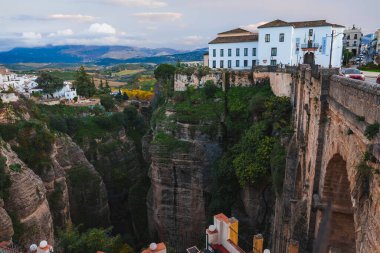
(236, 49)
(278, 42)
(66, 92)
(21, 84)
(292, 43)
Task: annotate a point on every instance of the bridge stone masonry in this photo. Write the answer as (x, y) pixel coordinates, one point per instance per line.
(331, 158)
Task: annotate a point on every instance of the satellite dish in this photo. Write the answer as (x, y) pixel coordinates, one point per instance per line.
(33, 247)
(43, 244)
(211, 228)
(153, 246)
(266, 251)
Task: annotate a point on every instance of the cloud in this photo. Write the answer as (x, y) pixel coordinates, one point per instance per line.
(102, 28)
(253, 27)
(31, 35)
(66, 32)
(144, 3)
(72, 17)
(193, 40)
(158, 16)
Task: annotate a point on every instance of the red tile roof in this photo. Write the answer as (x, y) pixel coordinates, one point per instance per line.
(234, 39)
(300, 24)
(237, 30)
(222, 217)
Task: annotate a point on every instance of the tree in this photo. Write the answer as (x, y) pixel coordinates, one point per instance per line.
(165, 75)
(347, 55)
(210, 89)
(107, 88)
(125, 96)
(49, 83)
(107, 101)
(83, 83)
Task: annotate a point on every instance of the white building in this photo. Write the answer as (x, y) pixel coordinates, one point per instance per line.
(66, 92)
(21, 84)
(236, 49)
(292, 43)
(352, 39)
(278, 42)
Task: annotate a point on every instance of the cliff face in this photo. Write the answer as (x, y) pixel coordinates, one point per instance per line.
(116, 158)
(27, 203)
(181, 160)
(79, 190)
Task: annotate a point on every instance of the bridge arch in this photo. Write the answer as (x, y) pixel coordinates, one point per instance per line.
(336, 189)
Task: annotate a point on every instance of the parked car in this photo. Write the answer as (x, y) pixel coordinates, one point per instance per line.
(352, 73)
(378, 79)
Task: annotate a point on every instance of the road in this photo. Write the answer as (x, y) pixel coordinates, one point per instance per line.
(371, 76)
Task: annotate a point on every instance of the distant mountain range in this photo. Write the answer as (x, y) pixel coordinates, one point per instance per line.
(100, 55)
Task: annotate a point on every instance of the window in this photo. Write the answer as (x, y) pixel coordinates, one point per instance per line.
(229, 64)
(214, 64)
(229, 52)
(282, 37)
(237, 51)
(237, 63)
(273, 51)
(310, 32)
(221, 64)
(267, 37)
(245, 51)
(355, 43)
(253, 63)
(214, 52)
(355, 37)
(348, 37)
(273, 62)
(253, 51)
(221, 52)
(245, 63)
(348, 44)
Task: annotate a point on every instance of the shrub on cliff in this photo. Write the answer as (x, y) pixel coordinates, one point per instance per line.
(72, 240)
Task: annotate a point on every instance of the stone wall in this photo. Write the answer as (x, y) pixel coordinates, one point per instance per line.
(329, 137)
(236, 78)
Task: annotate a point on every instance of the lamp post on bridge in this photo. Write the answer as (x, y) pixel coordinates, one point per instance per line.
(333, 35)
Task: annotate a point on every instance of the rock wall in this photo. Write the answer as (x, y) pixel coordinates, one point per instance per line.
(83, 189)
(27, 203)
(180, 183)
(236, 78)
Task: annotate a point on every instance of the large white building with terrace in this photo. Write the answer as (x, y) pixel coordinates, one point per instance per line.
(236, 49)
(279, 42)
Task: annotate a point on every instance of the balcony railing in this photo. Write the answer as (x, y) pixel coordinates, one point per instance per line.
(310, 46)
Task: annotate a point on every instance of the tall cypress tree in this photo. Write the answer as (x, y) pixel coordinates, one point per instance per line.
(85, 87)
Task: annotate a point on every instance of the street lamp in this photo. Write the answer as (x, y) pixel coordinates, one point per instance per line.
(332, 43)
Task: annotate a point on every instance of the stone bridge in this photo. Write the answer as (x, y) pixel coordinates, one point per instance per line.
(333, 158)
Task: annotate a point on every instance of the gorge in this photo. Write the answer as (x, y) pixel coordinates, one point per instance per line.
(263, 147)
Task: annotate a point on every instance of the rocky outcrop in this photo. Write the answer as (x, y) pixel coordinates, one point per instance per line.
(6, 225)
(27, 202)
(181, 162)
(77, 187)
(118, 161)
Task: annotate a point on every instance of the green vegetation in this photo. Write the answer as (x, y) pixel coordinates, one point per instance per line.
(372, 130)
(34, 144)
(372, 67)
(170, 142)
(15, 167)
(128, 72)
(5, 180)
(72, 240)
(65, 75)
(49, 83)
(83, 83)
(107, 102)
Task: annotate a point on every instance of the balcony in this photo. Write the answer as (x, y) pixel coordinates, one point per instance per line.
(310, 46)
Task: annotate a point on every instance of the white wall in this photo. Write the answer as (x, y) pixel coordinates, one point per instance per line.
(284, 49)
(321, 58)
(233, 57)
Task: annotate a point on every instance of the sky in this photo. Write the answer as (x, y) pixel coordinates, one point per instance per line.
(179, 24)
